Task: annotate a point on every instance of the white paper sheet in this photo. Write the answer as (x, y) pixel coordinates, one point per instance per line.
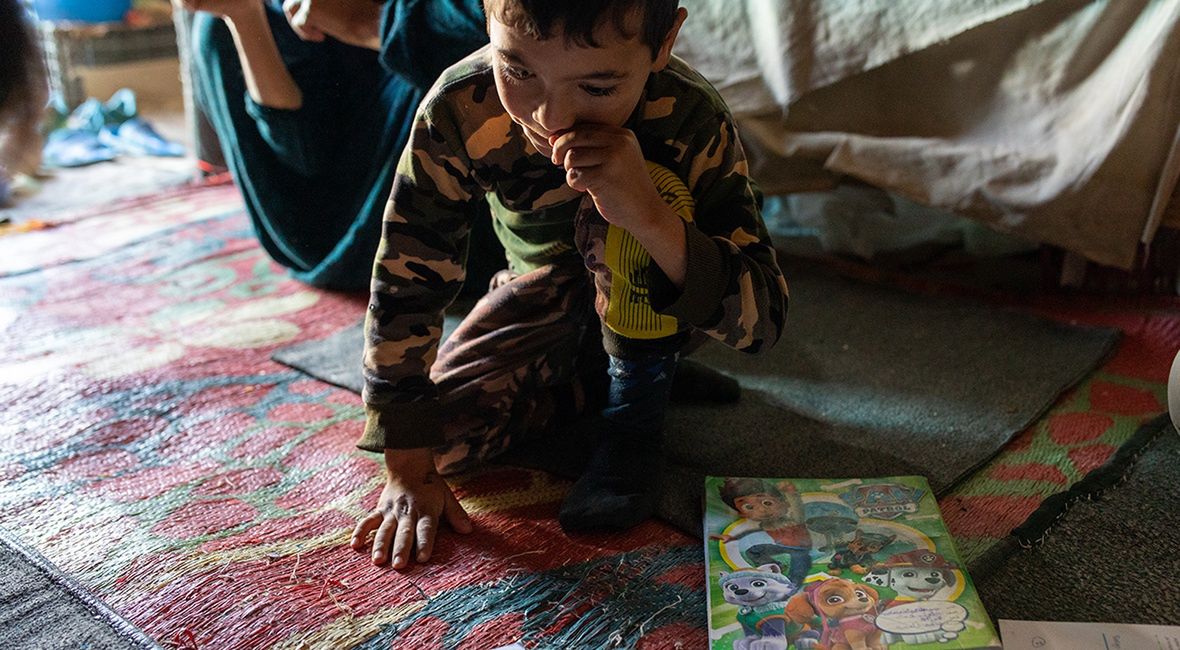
(1047, 635)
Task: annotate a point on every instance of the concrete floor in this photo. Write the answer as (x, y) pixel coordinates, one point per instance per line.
(65, 192)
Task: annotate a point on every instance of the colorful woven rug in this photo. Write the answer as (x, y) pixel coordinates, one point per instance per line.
(152, 451)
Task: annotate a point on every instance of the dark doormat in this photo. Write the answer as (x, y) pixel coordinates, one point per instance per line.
(41, 608)
(1106, 550)
(866, 381)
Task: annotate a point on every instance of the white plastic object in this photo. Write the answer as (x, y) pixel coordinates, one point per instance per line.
(1174, 392)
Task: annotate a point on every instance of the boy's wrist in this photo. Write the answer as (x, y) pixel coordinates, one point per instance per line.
(656, 222)
(409, 464)
(662, 235)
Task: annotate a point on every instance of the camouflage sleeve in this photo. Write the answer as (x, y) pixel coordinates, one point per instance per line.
(417, 272)
(734, 290)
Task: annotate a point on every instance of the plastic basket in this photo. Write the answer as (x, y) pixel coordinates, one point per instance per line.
(83, 11)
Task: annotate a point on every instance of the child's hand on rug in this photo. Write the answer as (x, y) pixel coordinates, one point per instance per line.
(408, 512)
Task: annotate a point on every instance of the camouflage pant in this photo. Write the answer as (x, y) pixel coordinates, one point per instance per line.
(519, 363)
(529, 357)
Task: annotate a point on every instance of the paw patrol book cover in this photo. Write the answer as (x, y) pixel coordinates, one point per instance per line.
(838, 564)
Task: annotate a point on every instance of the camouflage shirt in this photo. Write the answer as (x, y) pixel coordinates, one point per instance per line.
(465, 149)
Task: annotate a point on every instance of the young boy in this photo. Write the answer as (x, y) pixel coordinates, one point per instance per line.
(554, 125)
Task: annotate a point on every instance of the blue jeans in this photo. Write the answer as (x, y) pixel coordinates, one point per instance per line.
(637, 398)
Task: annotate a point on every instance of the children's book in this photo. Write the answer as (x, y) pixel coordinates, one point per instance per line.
(835, 563)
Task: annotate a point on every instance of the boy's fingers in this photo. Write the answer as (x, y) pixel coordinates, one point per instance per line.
(360, 534)
(403, 541)
(576, 180)
(581, 178)
(381, 540)
(427, 528)
(562, 144)
(456, 516)
(582, 157)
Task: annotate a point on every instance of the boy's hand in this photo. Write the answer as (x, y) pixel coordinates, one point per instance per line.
(409, 510)
(607, 163)
(355, 22)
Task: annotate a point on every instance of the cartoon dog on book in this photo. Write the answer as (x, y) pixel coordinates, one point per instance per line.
(915, 575)
(761, 596)
(920, 575)
(847, 614)
(858, 553)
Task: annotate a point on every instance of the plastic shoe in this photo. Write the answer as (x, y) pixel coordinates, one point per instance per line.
(88, 116)
(137, 137)
(122, 106)
(76, 143)
(75, 148)
(126, 132)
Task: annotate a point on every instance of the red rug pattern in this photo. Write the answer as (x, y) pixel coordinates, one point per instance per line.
(153, 451)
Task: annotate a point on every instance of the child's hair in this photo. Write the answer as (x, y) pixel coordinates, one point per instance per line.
(578, 19)
(733, 488)
(22, 78)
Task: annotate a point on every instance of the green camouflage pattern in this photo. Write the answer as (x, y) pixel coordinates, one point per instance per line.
(465, 149)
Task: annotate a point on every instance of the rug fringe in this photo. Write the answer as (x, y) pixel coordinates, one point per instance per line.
(603, 603)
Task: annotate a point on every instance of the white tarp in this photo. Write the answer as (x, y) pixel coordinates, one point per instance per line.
(1053, 119)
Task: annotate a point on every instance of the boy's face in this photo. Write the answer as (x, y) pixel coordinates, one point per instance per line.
(549, 86)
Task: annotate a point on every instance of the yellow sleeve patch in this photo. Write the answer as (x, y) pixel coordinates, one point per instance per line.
(629, 312)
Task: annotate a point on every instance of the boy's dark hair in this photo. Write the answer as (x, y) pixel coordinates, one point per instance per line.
(577, 19)
(733, 488)
(21, 73)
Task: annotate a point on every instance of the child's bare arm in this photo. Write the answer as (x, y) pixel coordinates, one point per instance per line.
(267, 79)
(355, 22)
(408, 513)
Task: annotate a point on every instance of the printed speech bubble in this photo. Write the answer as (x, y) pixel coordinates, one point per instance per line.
(942, 618)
